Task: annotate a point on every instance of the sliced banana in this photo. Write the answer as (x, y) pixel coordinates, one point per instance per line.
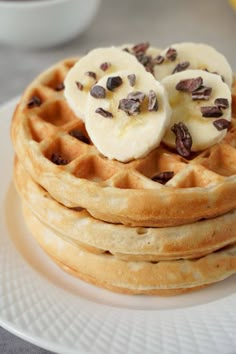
(184, 56)
(201, 103)
(131, 119)
(89, 69)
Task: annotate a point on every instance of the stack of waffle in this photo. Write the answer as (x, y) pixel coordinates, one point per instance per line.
(110, 223)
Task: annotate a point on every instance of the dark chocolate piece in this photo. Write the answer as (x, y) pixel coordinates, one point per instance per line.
(163, 177)
(114, 82)
(222, 103)
(189, 85)
(183, 139)
(181, 67)
(152, 101)
(98, 91)
(129, 106)
(221, 124)
(78, 134)
(35, 101)
(211, 111)
(104, 113)
(58, 159)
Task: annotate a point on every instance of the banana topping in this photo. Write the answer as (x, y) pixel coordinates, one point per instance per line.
(138, 116)
(197, 99)
(184, 56)
(92, 67)
(134, 97)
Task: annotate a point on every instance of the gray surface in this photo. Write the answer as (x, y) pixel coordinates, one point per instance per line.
(162, 22)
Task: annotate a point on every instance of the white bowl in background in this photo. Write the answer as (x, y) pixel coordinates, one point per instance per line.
(44, 23)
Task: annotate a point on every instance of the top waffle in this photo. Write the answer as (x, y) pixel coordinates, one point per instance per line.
(54, 147)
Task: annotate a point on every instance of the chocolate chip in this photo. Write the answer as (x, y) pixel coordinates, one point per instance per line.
(163, 177)
(104, 113)
(91, 74)
(104, 66)
(183, 139)
(113, 82)
(78, 134)
(132, 79)
(211, 111)
(222, 103)
(152, 101)
(181, 67)
(221, 124)
(129, 106)
(203, 93)
(79, 85)
(136, 96)
(158, 60)
(171, 54)
(58, 159)
(98, 91)
(189, 85)
(140, 47)
(60, 86)
(35, 101)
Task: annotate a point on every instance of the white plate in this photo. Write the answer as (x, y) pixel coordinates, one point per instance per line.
(47, 307)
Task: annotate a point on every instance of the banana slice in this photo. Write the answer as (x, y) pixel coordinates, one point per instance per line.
(89, 69)
(182, 56)
(127, 114)
(201, 110)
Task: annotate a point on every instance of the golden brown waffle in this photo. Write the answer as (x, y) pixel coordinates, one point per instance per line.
(202, 187)
(127, 243)
(163, 278)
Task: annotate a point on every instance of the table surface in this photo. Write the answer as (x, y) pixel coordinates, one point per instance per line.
(161, 22)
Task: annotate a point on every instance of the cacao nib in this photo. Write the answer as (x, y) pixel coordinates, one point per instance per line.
(158, 60)
(189, 85)
(181, 67)
(163, 177)
(91, 74)
(78, 134)
(79, 85)
(203, 93)
(222, 103)
(104, 66)
(98, 91)
(35, 101)
(140, 47)
(171, 54)
(146, 61)
(132, 79)
(114, 82)
(129, 106)
(104, 113)
(58, 159)
(211, 111)
(136, 96)
(221, 124)
(183, 139)
(152, 101)
(60, 86)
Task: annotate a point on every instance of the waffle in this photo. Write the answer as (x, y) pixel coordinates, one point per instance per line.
(105, 270)
(77, 175)
(127, 243)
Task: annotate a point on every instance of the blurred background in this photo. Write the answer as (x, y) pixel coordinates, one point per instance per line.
(161, 22)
